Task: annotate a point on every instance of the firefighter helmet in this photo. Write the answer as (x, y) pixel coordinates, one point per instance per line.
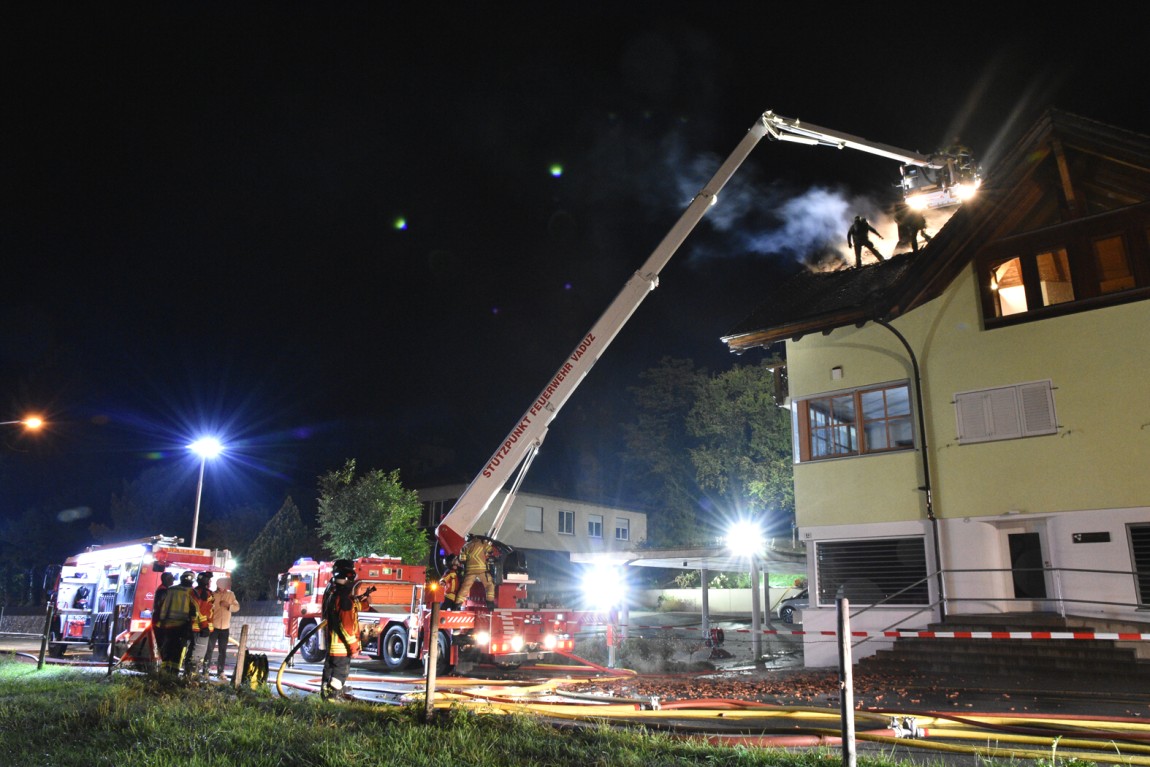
(186, 578)
(204, 578)
(167, 578)
(343, 568)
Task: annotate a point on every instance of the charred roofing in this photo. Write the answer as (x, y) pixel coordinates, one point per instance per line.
(810, 302)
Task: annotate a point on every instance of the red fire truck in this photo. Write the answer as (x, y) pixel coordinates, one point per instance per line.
(394, 627)
(104, 595)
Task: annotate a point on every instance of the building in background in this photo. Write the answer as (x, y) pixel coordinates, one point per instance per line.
(547, 530)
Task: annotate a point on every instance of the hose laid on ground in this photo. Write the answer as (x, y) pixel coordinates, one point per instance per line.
(287, 658)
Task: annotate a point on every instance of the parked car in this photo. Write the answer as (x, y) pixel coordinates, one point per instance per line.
(788, 606)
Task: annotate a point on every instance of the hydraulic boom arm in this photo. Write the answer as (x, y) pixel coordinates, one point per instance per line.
(522, 443)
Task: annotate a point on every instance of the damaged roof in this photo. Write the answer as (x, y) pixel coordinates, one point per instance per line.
(1020, 193)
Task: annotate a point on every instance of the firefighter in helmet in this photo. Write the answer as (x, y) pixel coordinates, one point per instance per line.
(174, 621)
(203, 597)
(341, 615)
(450, 583)
(476, 558)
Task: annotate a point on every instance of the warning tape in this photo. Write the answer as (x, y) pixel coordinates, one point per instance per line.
(1118, 636)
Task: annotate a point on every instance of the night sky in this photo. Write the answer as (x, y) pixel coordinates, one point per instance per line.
(332, 231)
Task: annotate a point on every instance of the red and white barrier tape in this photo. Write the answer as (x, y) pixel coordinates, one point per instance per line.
(1118, 636)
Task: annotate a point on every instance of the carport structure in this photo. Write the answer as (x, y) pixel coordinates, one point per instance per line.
(772, 558)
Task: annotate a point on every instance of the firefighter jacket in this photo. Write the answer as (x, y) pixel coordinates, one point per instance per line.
(178, 609)
(203, 598)
(341, 611)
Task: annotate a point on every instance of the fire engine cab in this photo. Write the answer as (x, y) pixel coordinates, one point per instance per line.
(103, 596)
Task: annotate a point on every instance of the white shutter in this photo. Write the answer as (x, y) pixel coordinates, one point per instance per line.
(1006, 412)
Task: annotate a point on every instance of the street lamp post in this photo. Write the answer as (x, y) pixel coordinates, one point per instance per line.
(205, 448)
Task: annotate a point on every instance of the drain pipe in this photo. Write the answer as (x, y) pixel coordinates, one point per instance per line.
(926, 488)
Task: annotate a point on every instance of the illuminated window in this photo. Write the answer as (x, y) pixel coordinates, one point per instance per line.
(873, 420)
(1075, 266)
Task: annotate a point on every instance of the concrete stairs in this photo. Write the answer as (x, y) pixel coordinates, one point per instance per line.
(1082, 665)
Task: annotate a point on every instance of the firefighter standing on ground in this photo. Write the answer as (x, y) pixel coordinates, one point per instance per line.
(475, 558)
(174, 621)
(202, 629)
(341, 613)
(858, 237)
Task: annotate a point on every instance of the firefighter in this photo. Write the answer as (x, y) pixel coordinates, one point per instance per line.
(174, 621)
(341, 616)
(166, 581)
(476, 558)
(202, 628)
(450, 584)
(858, 237)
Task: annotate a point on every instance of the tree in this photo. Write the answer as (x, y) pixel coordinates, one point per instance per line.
(743, 443)
(371, 514)
(281, 541)
(658, 451)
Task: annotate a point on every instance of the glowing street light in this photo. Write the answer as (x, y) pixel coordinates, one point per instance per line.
(31, 423)
(745, 539)
(205, 448)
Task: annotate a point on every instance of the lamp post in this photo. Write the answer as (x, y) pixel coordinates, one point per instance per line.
(745, 539)
(205, 448)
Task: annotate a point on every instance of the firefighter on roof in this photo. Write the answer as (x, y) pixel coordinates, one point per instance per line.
(341, 613)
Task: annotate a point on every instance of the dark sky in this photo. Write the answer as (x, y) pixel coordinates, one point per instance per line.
(201, 205)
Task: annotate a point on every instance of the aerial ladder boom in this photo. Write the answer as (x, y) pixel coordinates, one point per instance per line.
(522, 443)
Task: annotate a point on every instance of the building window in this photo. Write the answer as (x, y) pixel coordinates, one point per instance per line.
(595, 526)
(1140, 556)
(1084, 264)
(566, 522)
(533, 519)
(433, 512)
(1006, 412)
(890, 571)
(874, 420)
(622, 529)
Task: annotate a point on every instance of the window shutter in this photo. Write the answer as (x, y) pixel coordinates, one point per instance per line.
(1007, 412)
(1037, 409)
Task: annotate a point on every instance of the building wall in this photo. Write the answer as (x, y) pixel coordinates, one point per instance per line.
(1087, 477)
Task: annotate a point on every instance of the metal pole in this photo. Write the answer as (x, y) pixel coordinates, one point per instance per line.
(51, 613)
(199, 493)
(846, 682)
(432, 660)
(756, 617)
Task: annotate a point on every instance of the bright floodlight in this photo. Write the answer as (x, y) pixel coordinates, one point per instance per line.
(604, 587)
(206, 447)
(744, 538)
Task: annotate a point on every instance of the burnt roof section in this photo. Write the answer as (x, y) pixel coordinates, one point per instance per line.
(819, 302)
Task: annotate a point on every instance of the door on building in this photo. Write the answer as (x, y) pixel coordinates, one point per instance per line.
(1026, 564)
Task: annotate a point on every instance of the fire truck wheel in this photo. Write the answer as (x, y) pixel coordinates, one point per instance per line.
(443, 662)
(393, 649)
(311, 651)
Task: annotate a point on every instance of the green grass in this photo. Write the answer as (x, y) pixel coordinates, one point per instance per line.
(60, 717)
